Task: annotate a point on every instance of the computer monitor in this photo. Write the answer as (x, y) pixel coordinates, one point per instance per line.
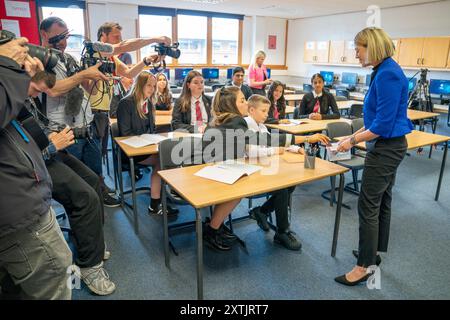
(210, 73)
(230, 73)
(440, 87)
(411, 84)
(349, 78)
(269, 72)
(181, 73)
(368, 79)
(328, 77)
(166, 72)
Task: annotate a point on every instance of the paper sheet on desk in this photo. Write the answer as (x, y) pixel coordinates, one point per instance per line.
(144, 140)
(296, 122)
(227, 172)
(334, 155)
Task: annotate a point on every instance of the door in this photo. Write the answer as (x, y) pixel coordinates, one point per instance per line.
(410, 54)
(336, 51)
(435, 52)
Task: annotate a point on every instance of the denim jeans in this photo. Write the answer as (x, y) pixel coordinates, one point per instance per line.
(89, 152)
(36, 259)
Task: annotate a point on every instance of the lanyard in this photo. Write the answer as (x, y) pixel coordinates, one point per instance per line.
(20, 130)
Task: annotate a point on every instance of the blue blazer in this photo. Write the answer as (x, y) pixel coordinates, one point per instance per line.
(386, 102)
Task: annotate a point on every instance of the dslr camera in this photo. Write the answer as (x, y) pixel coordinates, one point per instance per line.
(171, 51)
(48, 56)
(91, 55)
(78, 133)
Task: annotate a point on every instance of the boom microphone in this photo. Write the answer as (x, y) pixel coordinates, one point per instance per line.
(102, 47)
(74, 100)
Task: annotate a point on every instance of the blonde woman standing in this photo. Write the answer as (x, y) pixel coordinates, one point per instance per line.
(257, 74)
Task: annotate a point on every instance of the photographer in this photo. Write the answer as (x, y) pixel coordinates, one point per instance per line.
(77, 188)
(67, 104)
(33, 252)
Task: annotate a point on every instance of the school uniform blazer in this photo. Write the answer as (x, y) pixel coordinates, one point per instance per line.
(327, 104)
(129, 121)
(182, 120)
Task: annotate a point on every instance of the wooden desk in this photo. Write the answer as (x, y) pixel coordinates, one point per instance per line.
(294, 97)
(346, 104)
(201, 193)
(417, 139)
(420, 115)
(308, 126)
(441, 108)
(290, 109)
(357, 96)
(131, 152)
(160, 120)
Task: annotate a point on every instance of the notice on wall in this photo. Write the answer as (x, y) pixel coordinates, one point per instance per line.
(11, 25)
(17, 9)
(272, 42)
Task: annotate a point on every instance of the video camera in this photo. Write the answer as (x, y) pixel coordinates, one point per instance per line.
(91, 55)
(163, 50)
(48, 56)
(423, 75)
(78, 132)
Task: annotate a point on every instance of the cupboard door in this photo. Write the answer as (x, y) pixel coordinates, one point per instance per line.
(350, 53)
(336, 51)
(322, 51)
(410, 54)
(310, 51)
(435, 52)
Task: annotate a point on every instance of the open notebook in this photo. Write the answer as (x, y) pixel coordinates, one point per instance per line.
(227, 172)
(143, 140)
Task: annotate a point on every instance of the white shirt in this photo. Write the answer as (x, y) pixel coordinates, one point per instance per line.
(194, 113)
(316, 95)
(255, 151)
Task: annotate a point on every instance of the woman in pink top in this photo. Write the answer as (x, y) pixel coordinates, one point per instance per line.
(257, 74)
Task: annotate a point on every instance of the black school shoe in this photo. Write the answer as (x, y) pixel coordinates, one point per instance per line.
(213, 239)
(157, 210)
(287, 240)
(260, 217)
(109, 201)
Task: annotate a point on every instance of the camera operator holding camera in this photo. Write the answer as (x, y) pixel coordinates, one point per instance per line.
(77, 188)
(66, 103)
(33, 251)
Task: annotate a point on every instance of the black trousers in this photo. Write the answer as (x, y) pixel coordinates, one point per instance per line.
(374, 203)
(77, 188)
(261, 92)
(278, 202)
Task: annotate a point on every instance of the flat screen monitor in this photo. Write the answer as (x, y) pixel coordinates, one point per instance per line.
(210, 73)
(368, 79)
(181, 73)
(166, 72)
(327, 77)
(230, 73)
(411, 84)
(269, 73)
(440, 87)
(349, 78)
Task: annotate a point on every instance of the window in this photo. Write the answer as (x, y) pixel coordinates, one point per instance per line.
(154, 25)
(192, 37)
(225, 37)
(74, 17)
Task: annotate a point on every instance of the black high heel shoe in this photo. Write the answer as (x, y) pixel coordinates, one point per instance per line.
(343, 280)
(377, 261)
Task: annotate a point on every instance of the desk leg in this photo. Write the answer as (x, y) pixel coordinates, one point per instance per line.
(444, 158)
(119, 164)
(166, 227)
(338, 215)
(199, 230)
(133, 191)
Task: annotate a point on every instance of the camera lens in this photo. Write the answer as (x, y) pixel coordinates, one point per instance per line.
(174, 53)
(48, 57)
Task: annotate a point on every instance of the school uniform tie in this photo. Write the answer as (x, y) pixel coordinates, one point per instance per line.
(198, 113)
(316, 106)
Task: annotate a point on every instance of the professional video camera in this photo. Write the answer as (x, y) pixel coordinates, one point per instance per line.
(91, 55)
(163, 50)
(48, 56)
(78, 133)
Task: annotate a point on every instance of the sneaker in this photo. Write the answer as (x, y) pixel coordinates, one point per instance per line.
(97, 280)
(106, 255)
(110, 191)
(213, 239)
(287, 240)
(157, 210)
(111, 202)
(260, 217)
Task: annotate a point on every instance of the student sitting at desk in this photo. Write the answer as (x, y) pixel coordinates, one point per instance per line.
(258, 110)
(229, 108)
(163, 97)
(192, 109)
(135, 117)
(238, 81)
(316, 104)
(277, 111)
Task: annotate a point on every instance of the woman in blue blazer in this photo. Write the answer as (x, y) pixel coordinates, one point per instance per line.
(385, 126)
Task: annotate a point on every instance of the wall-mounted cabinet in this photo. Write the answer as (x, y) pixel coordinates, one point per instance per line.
(316, 51)
(430, 52)
(424, 52)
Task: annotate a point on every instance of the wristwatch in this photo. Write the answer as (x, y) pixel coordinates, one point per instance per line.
(145, 61)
